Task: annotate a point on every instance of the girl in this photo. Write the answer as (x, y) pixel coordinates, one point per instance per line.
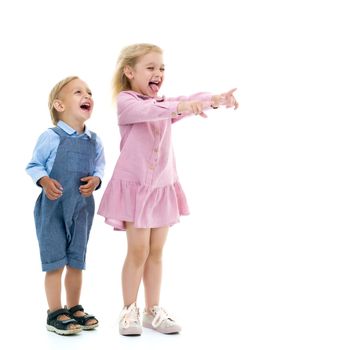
(144, 196)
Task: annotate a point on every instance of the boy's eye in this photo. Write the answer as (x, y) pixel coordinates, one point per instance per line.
(90, 93)
(162, 69)
(150, 68)
(78, 92)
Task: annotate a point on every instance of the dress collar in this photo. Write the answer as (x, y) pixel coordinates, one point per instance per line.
(145, 97)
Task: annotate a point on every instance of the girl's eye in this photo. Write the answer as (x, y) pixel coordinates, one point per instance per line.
(150, 68)
(90, 93)
(78, 92)
(162, 69)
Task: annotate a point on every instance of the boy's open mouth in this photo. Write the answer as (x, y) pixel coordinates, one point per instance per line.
(86, 106)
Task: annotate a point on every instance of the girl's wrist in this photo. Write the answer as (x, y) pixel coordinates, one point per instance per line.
(215, 101)
(180, 107)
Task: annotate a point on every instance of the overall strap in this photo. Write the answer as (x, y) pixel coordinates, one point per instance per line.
(59, 131)
(93, 135)
(62, 133)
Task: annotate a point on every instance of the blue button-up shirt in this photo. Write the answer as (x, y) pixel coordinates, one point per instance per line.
(46, 148)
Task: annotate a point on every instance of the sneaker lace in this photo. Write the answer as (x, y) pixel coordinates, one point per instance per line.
(160, 316)
(129, 315)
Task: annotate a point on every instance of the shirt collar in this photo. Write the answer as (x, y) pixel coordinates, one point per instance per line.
(70, 131)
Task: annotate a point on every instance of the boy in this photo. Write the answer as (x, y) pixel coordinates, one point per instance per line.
(68, 163)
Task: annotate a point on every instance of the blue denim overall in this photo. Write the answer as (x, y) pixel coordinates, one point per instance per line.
(63, 225)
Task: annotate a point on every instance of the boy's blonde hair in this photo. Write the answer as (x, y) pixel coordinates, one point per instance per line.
(54, 96)
(129, 57)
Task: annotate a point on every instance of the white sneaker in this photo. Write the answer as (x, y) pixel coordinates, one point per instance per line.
(129, 322)
(160, 321)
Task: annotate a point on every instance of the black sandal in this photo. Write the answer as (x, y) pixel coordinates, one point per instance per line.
(61, 326)
(82, 320)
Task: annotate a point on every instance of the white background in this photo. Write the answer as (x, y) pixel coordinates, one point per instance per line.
(262, 262)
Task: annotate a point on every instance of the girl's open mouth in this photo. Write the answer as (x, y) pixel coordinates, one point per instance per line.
(154, 86)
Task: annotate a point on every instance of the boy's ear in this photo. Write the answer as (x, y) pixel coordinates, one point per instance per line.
(128, 72)
(58, 105)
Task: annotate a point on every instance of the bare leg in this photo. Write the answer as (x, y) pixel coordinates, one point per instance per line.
(53, 289)
(138, 249)
(73, 283)
(53, 293)
(152, 275)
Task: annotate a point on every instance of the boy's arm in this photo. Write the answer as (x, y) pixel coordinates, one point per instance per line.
(100, 161)
(36, 168)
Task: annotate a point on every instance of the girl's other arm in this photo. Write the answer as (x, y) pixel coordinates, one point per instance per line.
(195, 104)
(132, 109)
(199, 96)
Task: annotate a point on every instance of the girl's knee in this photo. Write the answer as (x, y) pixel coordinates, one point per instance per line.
(155, 253)
(138, 254)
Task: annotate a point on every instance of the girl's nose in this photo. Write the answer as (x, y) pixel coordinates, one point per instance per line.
(159, 73)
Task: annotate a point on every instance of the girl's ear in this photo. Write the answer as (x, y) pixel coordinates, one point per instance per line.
(58, 105)
(128, 71)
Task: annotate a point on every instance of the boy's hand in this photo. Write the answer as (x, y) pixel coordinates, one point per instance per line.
(91, 183)
(52, 187)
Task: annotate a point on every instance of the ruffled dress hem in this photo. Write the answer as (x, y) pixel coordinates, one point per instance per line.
(145, 206)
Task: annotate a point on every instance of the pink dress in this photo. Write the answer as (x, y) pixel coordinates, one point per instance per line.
(144, 188)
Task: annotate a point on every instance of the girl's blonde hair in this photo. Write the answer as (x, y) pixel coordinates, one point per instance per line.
(129, 56)
(54, 95)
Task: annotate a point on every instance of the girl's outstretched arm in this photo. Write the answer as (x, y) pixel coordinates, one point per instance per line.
(212, 101)
(133, 108)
